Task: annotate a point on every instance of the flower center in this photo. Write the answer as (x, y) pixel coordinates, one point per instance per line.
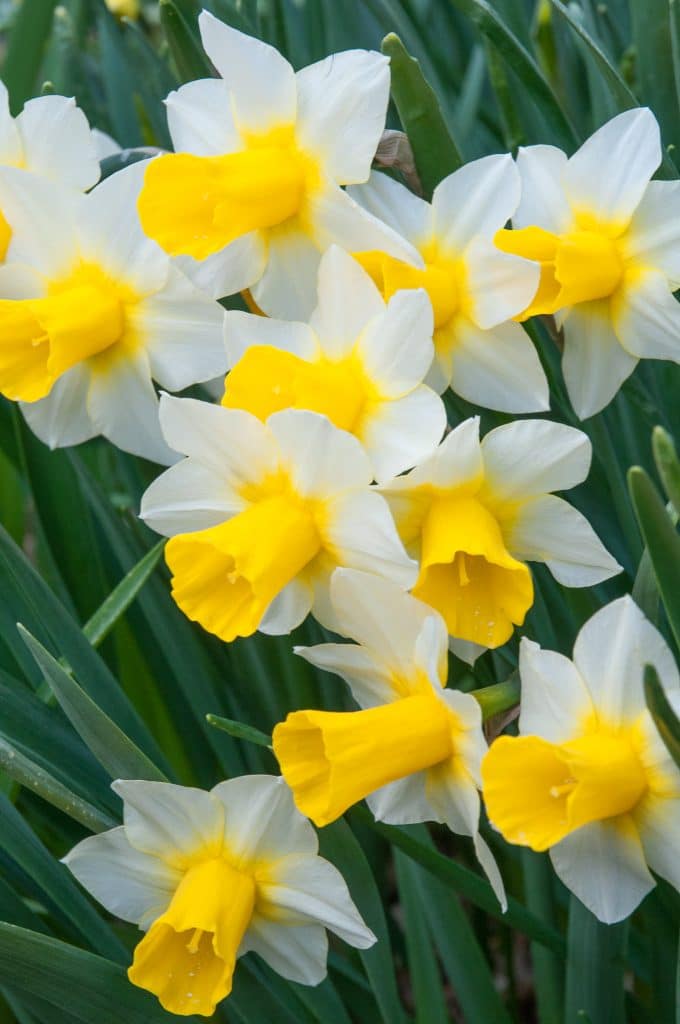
(333, 759)
(5, 236)
(187, 957)
(195, 205)
(468, 574)
(442, 278)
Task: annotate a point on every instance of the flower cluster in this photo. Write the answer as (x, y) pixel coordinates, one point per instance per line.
(328, 480)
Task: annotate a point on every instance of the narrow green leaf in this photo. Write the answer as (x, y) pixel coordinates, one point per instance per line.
(595, 968)
(547, 967)
(190, 60)
(667, 464)
(118, 79)
(645, 591)
(435, 152)
(662, 542)
(650, 22)
(109, 744)
(661, 711)
(498, 697)
(240, 730)
(29, 774)
(25, 50)
(428, 993)
(106, 616)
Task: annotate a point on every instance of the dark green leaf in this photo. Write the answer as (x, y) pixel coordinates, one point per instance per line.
(662, 542)
(595, 966)
(190, 60)
(661, 711)
(240, 730)
(106, 616)
(25, 50)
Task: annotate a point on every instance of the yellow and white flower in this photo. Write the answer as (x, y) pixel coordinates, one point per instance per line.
(414, 751)
(260, 514)
(474, 514)
(92, 312)
(252, 196)
(609, 246)
(589, 777)
(359, 361)
(210, 876)
(475, 290)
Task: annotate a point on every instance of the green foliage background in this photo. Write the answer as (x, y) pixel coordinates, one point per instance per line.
(126, 693)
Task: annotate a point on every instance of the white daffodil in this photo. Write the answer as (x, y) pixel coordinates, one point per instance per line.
(589, 777)
(212, 876)
(359, 361)
(92, 312)
(253, 191)
(261, 513)
(608, 241)
(415, 749)
(50, 138)
(474, 514)
(475, 290)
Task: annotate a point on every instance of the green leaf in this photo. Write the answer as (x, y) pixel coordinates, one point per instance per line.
(88, 987)
(190, 60)
(661, 711)
(436, 154)
(645, 591)
(106, 616)
(662, 542)
(109, 744)
(539, 879)
(25, 50)
(595, 968)
(428, 994)
(117, 161)
(668, 467)
(118, 79)
(240, 730)
(650, 22)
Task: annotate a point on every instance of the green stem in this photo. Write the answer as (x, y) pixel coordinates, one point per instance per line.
(498, 697)
(595, 966)
(548, 980)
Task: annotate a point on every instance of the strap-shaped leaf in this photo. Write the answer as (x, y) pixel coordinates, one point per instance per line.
(190, 60)
(106, 616)
(662, 540)
(665, 719)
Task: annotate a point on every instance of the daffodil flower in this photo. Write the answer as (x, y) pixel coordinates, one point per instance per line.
(475, 290)
(252, 196)
(261, 513)
(210, 876)
(608, 243)
(474, 514)
(92, 312)
(359, 361)
(414, 751)
(589, 777)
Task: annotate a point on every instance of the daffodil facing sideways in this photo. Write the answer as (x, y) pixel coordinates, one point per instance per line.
(260, 514)
(92, 312)
(50, 138)
(210, 876)
(475, 290)
(589, 777)
(474, 514)
(608, 242)
(414, 750)
(252, 196)
(359, 361)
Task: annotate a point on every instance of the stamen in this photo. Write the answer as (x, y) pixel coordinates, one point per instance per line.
(195, 940)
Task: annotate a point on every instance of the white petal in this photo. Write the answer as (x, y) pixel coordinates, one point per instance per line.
(104, 144)
(337, 219)
(230, 442)
(653, 236)
(243, 330)
(18, 281)
(611, 652)
(11, 149)
(466, 650)
(396, 348)
(403, 802)
(342, 103)
(531, 457)
(323, 460)
(360, 532)
(548, 529)
(399, 434)
(182, 332)
(658, 822)
(234, 268)
(608, 175)
(500, 286)
(477, 199)
(647, 318)
(57, 141)
(310, 888)
(287, 287)
(555, 699)
(594, 364)
(289, 608)
(61, 419)
(337, 322)
(187, 497)
(123, 406)
(457, 459)
(261, 821)
(200, 118)
(604, 865)
(43, 216)
(170, 822)
(395, 205)
(134, 886)
(543, 201)
(260, 80)
(297, 952)
(368, 677)
(498, 368)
